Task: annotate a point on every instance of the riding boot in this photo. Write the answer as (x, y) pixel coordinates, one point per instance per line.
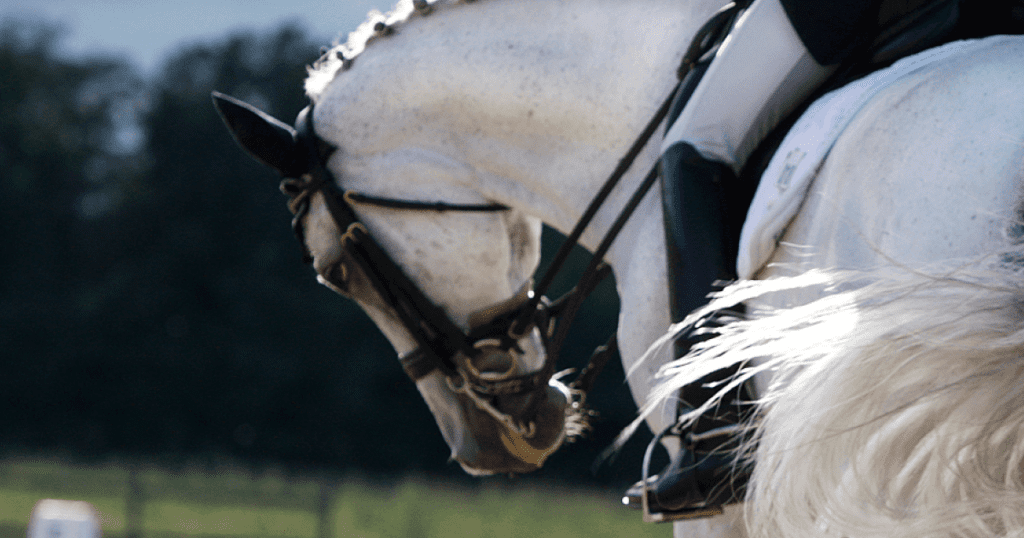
(700, 479)
(706, 473)
(728, 112)
(704, 208)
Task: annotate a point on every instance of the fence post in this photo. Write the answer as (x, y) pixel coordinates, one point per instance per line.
(134, 503)
(327, 487)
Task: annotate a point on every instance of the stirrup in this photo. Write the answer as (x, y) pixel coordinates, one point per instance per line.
(700, 480)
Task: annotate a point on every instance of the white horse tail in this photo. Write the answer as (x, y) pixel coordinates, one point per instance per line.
(896, 401)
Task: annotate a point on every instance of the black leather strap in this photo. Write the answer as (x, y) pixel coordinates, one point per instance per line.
(415, 205)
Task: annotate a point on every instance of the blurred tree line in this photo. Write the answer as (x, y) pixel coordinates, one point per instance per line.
(152, 301)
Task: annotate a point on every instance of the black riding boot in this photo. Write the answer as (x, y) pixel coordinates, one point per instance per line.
(704, 207)
(704, 475)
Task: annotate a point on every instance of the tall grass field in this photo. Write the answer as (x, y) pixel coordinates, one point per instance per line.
(154, 502)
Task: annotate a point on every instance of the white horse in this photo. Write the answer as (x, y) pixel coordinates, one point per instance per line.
(891, 391)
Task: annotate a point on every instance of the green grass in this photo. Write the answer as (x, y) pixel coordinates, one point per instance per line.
(230, 502)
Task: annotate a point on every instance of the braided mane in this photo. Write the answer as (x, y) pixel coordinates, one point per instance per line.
(377, 24)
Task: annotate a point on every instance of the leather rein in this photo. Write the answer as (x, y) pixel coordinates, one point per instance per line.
(441, 344)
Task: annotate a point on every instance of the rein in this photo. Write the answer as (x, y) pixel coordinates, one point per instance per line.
(441, 344)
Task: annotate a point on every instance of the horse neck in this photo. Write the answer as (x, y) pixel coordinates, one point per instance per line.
(537, 100)
(529, 103)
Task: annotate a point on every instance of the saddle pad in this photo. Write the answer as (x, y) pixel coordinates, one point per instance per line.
(788, 177)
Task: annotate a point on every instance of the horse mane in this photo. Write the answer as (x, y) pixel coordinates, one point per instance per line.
(339, 56)
(896, 407)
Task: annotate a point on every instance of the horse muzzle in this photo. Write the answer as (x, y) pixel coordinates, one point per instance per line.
(537, 431)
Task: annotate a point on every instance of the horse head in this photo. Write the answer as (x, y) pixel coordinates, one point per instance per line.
(421, 174)
(427, 273)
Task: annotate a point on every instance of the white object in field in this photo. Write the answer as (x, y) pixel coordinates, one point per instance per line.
(52, 518)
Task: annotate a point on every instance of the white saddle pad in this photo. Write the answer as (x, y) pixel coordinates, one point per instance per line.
(789, 174)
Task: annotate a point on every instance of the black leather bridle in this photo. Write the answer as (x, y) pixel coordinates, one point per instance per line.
(441, 344)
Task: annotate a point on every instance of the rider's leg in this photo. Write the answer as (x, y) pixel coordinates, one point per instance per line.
(759, 75)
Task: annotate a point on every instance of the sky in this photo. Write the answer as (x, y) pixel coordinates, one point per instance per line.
(146, 31)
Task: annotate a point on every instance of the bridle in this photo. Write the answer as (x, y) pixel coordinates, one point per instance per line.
(441, 345)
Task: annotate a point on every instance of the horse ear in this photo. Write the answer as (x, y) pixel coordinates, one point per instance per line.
(269, 140)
